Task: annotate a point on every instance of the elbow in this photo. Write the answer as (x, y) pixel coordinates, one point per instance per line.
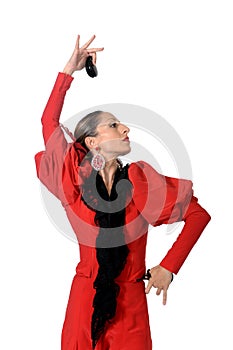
(41, 167)
(207, 216)
(198, 214)
(204, 217)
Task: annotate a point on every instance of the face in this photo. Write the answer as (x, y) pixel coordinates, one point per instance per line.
(112, 137)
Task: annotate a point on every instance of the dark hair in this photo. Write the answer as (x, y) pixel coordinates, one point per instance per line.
(87, 127)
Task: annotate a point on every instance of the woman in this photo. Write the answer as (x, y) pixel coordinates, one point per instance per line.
(110, 207)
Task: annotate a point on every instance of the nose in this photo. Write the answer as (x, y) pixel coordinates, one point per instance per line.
(124, 129)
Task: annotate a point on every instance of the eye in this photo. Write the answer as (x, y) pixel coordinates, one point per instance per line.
(113, 125)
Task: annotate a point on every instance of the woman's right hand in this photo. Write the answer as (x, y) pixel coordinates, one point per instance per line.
(78, 58)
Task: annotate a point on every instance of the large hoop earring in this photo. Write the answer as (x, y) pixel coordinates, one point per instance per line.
(98, 161)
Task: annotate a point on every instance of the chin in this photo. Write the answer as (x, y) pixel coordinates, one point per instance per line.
(123, 153)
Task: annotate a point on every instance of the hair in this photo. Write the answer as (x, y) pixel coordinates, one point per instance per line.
(87, 127)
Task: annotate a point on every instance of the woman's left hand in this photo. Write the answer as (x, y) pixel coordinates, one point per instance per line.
(79, 56)
(160, 279)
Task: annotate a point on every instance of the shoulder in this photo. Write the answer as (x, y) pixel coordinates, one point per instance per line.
(143, 171)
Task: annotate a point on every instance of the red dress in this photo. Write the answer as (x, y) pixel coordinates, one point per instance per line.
(156, 200)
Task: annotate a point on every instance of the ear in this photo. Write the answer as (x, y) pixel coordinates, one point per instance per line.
(90, 142)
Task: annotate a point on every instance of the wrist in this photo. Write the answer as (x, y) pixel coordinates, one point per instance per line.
(68, 70)
(172, 274)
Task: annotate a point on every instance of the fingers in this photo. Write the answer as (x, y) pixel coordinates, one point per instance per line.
(77, 42)
(158, 292)
(91, 50)
(93, 55)
(164, 296)
(95, 50)
(149, 286)
(85, 46)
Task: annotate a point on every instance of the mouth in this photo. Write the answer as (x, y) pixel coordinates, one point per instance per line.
(126, 139)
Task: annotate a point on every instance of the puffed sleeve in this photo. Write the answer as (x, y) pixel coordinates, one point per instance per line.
(56, 165)
(164, 200)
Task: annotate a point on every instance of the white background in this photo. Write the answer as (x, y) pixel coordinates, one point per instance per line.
(174, 57)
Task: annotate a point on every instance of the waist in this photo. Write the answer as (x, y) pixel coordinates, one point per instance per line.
(123, 278)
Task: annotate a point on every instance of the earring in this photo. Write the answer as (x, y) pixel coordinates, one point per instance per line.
(98, 161)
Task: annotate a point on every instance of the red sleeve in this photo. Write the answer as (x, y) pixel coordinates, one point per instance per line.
(49, 163)
(52, 111)
(196, 218)
(164, 200)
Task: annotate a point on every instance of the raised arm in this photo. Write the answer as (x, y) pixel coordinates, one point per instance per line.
(52, 112)
(50, 163)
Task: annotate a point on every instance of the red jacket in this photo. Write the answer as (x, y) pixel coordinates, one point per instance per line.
(156, 199)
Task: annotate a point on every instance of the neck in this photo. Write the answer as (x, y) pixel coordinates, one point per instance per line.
(108, 173)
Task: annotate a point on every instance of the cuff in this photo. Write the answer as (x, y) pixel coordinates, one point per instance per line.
(63, 81)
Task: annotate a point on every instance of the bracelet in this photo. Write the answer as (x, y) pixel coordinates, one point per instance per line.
(172, 277)
(147, 276)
